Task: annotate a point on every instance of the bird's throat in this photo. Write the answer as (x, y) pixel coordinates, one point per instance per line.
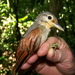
(47, 25)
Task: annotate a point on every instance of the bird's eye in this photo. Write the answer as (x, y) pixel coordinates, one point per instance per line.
(49, 17)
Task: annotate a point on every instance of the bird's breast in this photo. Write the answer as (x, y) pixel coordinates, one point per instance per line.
(44, 35)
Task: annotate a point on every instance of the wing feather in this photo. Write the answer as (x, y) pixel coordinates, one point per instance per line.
(27, 46)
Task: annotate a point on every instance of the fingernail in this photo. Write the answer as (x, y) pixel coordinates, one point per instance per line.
(50, 53)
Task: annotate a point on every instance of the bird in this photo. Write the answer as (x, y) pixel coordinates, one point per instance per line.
(35, 36)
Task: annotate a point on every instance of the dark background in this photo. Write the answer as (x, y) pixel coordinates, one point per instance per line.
(17, 15)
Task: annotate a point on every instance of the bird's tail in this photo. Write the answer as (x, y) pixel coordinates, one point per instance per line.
(14, 70)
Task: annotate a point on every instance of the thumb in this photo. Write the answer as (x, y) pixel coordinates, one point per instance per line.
(56, 55)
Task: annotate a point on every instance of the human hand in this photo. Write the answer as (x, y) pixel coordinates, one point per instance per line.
(53, 62)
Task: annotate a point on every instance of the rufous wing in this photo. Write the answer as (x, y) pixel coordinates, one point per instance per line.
(26, 48)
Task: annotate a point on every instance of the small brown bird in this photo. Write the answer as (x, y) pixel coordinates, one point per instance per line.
(35, 36)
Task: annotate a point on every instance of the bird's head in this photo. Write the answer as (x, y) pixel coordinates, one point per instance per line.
(48, 20)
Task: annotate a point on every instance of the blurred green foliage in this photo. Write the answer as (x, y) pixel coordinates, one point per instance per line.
(20, 14)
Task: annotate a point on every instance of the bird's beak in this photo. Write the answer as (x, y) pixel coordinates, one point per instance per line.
(58, 26)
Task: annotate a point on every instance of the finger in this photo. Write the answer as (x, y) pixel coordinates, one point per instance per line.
(45, 47)
(29, 62)
(56, 55)
(26, 66)
(43, 50)
(52, 40)
(59, 41)
(32, 59)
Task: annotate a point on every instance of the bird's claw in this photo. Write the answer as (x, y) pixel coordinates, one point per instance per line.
(55, 46)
